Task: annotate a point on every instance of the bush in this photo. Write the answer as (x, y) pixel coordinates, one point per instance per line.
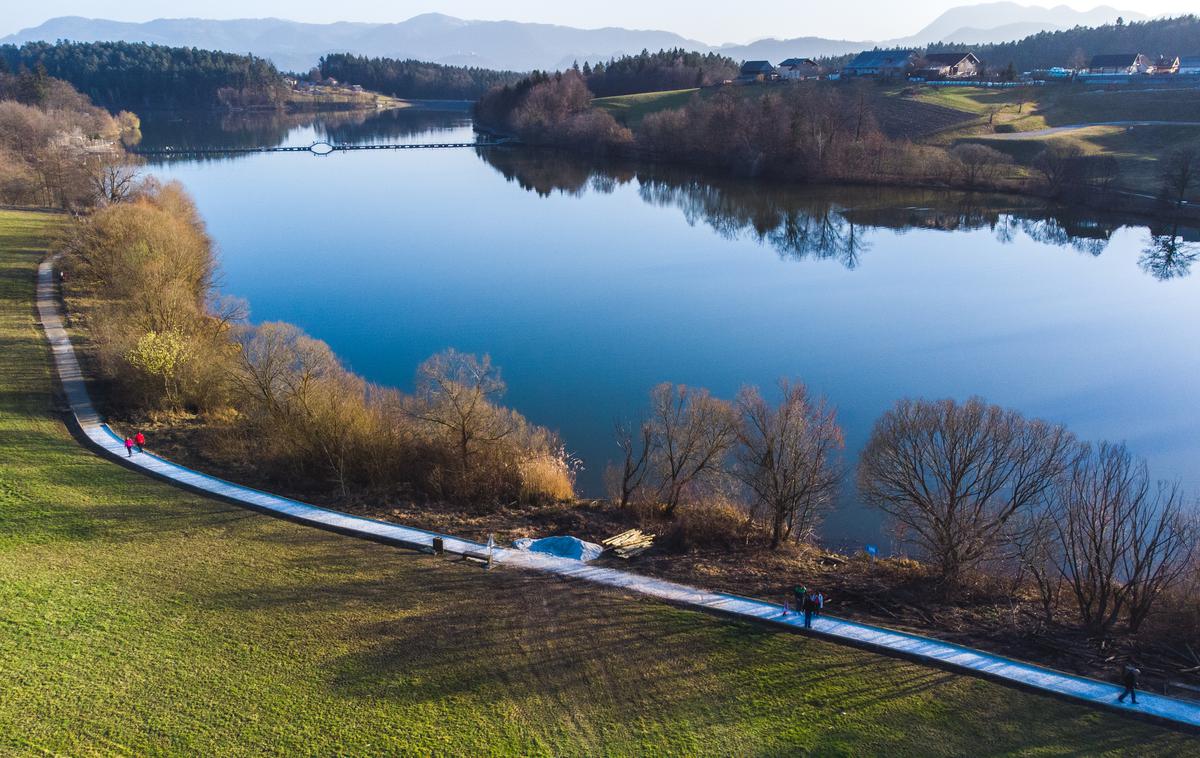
(711, 523)
(546, 479)
(1004, 129)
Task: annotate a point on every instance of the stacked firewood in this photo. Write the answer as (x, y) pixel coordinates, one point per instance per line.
(630, 543)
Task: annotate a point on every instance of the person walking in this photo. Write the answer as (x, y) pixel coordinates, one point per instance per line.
(809, 605)
(1130, 679)
(799, 592)
(139, 439)
(128, 447)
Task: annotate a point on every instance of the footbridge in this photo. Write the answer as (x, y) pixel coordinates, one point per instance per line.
(320, 147)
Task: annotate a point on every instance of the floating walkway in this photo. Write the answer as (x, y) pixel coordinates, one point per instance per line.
(952, 657)
(319, 147)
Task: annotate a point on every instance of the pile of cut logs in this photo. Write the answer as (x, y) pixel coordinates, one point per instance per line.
(630, 543)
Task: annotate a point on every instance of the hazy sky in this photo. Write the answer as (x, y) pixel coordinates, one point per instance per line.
(713, 23)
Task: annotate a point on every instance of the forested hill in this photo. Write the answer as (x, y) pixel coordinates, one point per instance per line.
(653, 72)
(139, 76)
(1075, 47)
(413, 78)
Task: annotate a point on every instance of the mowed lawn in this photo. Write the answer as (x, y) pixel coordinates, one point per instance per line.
(137, 619)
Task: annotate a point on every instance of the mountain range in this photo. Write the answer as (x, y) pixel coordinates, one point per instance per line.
(520, 46)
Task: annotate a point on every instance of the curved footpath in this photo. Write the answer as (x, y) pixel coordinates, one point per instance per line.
(1052, 130)
(877, 639)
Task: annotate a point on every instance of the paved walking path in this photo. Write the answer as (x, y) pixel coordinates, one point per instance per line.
(961, 659)
(1051, 130)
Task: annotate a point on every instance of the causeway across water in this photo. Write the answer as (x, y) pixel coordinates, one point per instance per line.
(878, 639)
(319, 147)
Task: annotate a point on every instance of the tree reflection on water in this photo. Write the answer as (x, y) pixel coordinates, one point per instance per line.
(1169, 255)
(830, 223)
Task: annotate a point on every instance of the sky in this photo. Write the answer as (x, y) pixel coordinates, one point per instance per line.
(713, 23)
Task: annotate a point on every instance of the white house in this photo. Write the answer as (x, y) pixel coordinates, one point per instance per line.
(799, 68)
(962, 65)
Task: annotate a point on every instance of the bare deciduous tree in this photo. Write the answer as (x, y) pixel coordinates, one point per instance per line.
(1180, 173)
(301, 396)
(1122, 539)
(1035, 551)
(112, 176)
(979, 164)
(692, 432)
(786, 458)
(637, 445)
(952, 475)
(1059, 166)
(455, 392)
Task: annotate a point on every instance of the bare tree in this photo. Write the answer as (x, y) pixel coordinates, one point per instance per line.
(1122, 540)
(786, 458)
(1060, 166)
(979, 164)
(693, 432)
(301, 396)
(112, 175)
(1036, 552)
(952, 475)
(637, 444)
(456, 391)
(1180, 173)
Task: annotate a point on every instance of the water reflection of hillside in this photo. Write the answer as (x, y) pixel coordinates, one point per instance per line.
(272, 129)
(829, 223)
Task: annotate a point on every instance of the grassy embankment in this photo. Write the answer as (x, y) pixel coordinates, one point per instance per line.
(631, 109)
(140, 619)
(949, 115)
(1137, 149)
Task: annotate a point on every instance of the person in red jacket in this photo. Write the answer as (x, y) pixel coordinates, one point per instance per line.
(139, 439)
(128, 447)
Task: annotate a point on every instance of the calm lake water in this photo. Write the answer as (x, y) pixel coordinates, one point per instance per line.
(588, 284)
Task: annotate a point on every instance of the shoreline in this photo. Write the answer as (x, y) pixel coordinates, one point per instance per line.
(1117, 202)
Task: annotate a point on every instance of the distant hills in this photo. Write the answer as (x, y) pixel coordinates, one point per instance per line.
(293, 45)
(969, 24)
(435, 37)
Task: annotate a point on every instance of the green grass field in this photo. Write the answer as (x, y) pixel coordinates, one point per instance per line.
(140, 620)
(630, 109)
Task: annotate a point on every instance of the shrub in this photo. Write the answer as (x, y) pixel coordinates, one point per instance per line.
(712, 523)
(546, 478)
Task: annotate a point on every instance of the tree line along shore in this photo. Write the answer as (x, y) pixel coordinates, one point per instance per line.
(1023, 531)
(864, 132)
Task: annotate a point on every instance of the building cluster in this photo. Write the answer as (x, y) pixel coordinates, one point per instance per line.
(961, 65)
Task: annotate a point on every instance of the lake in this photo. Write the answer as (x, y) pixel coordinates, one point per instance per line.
(590, 283)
